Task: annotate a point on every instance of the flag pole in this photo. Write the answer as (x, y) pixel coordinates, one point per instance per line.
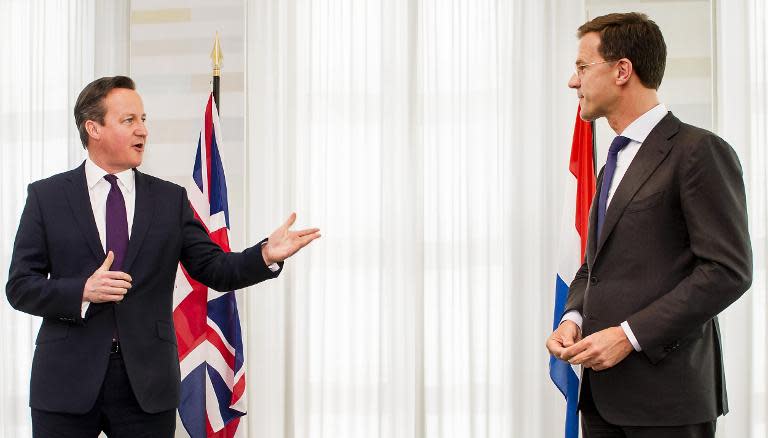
(216, 57)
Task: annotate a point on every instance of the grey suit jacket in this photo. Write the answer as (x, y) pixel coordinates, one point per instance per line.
(674, 252)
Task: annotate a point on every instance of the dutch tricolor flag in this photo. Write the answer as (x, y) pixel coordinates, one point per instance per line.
(579, 190)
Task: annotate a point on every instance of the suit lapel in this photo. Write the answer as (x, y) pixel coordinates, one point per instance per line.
(142, 218)
(652, 152)
(592, 228)
(77, 195)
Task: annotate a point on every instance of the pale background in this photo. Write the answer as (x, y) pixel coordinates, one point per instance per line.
(429, 140)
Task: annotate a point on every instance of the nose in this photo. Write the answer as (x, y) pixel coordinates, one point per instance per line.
(141, 129)
(574, 81)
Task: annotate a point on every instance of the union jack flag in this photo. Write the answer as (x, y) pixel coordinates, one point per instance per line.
(207, 322)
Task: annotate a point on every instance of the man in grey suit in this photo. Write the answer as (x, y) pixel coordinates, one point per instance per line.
(668, 249)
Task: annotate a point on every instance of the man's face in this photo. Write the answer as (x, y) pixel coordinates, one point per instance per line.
(120, 142)
(595, 84)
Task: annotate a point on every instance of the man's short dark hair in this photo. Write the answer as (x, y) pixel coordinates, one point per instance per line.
(90, 102)
(635, 37)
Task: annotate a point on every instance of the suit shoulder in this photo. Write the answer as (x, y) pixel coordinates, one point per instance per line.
(703, 148)
(56, 181)
(160, 185)
(687, 128)
(693, 138)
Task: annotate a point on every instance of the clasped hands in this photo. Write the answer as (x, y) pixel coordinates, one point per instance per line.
(598, 351)
(111, 286)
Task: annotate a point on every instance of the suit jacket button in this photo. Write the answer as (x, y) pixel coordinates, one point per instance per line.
(593, 280)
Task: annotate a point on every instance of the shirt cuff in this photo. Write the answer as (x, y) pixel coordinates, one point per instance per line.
(631, 336)
(274, 267)
(84, 308)
(575, 316)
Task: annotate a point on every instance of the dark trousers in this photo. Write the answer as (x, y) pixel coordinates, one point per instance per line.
(116, 413)
(595, 426)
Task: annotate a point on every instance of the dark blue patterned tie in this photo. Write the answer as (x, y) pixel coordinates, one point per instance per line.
(116, 223)
(617, 144)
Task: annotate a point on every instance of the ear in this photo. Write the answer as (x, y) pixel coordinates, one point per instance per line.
(623, 71)
(92, 128)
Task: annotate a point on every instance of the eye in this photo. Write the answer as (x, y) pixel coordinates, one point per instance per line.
(128, 120)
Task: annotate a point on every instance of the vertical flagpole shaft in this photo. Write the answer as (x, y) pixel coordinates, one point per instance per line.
(216, 93)
(216, 56)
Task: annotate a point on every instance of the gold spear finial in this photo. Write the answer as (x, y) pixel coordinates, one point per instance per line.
(216, 56)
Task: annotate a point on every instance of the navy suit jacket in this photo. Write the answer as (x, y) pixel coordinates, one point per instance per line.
(57, 248)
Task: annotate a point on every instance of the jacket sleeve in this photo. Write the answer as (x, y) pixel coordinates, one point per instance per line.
(207, 263)
(713, 202)
(577, 290)
(30, 287)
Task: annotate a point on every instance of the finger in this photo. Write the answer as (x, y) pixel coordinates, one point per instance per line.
(105, 298)
(306, 239)
(583, 358)
(554, 347)
(575, 349)
(122, 284)
(107, 262)
(302, 233)
(117, 275)
(107, 290)
(289, 222)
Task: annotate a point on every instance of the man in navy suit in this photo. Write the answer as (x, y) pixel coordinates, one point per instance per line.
(668, 249)
(95, 256)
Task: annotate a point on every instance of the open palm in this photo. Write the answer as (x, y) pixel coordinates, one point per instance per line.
(283, 242)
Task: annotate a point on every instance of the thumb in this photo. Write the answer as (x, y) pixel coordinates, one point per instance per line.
(291, 219)
(107, 262)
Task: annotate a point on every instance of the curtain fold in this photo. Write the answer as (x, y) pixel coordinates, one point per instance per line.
(420, 137)
(50, 49)
(742, 119)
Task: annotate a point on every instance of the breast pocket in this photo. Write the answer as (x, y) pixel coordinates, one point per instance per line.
(645, 203)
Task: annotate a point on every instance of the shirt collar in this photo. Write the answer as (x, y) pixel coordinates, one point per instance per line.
(643, 125)
(95, 174)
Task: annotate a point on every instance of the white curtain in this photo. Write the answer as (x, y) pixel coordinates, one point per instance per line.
(428, 140)
(50, 50)
(742, 119)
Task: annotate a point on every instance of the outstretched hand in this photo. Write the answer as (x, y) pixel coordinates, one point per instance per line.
(284, 242)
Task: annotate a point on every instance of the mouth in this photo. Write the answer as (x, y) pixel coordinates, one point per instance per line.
(139, 146)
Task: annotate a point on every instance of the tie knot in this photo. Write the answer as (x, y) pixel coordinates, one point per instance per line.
(618, 144)
(112, 179)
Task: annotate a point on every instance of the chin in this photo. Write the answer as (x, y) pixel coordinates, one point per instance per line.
(588, 116)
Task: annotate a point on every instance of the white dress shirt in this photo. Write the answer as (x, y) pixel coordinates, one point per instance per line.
(98, 189)
(637, 132)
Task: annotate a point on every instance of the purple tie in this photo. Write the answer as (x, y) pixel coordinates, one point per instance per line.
(617, 144)
(117, 223)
